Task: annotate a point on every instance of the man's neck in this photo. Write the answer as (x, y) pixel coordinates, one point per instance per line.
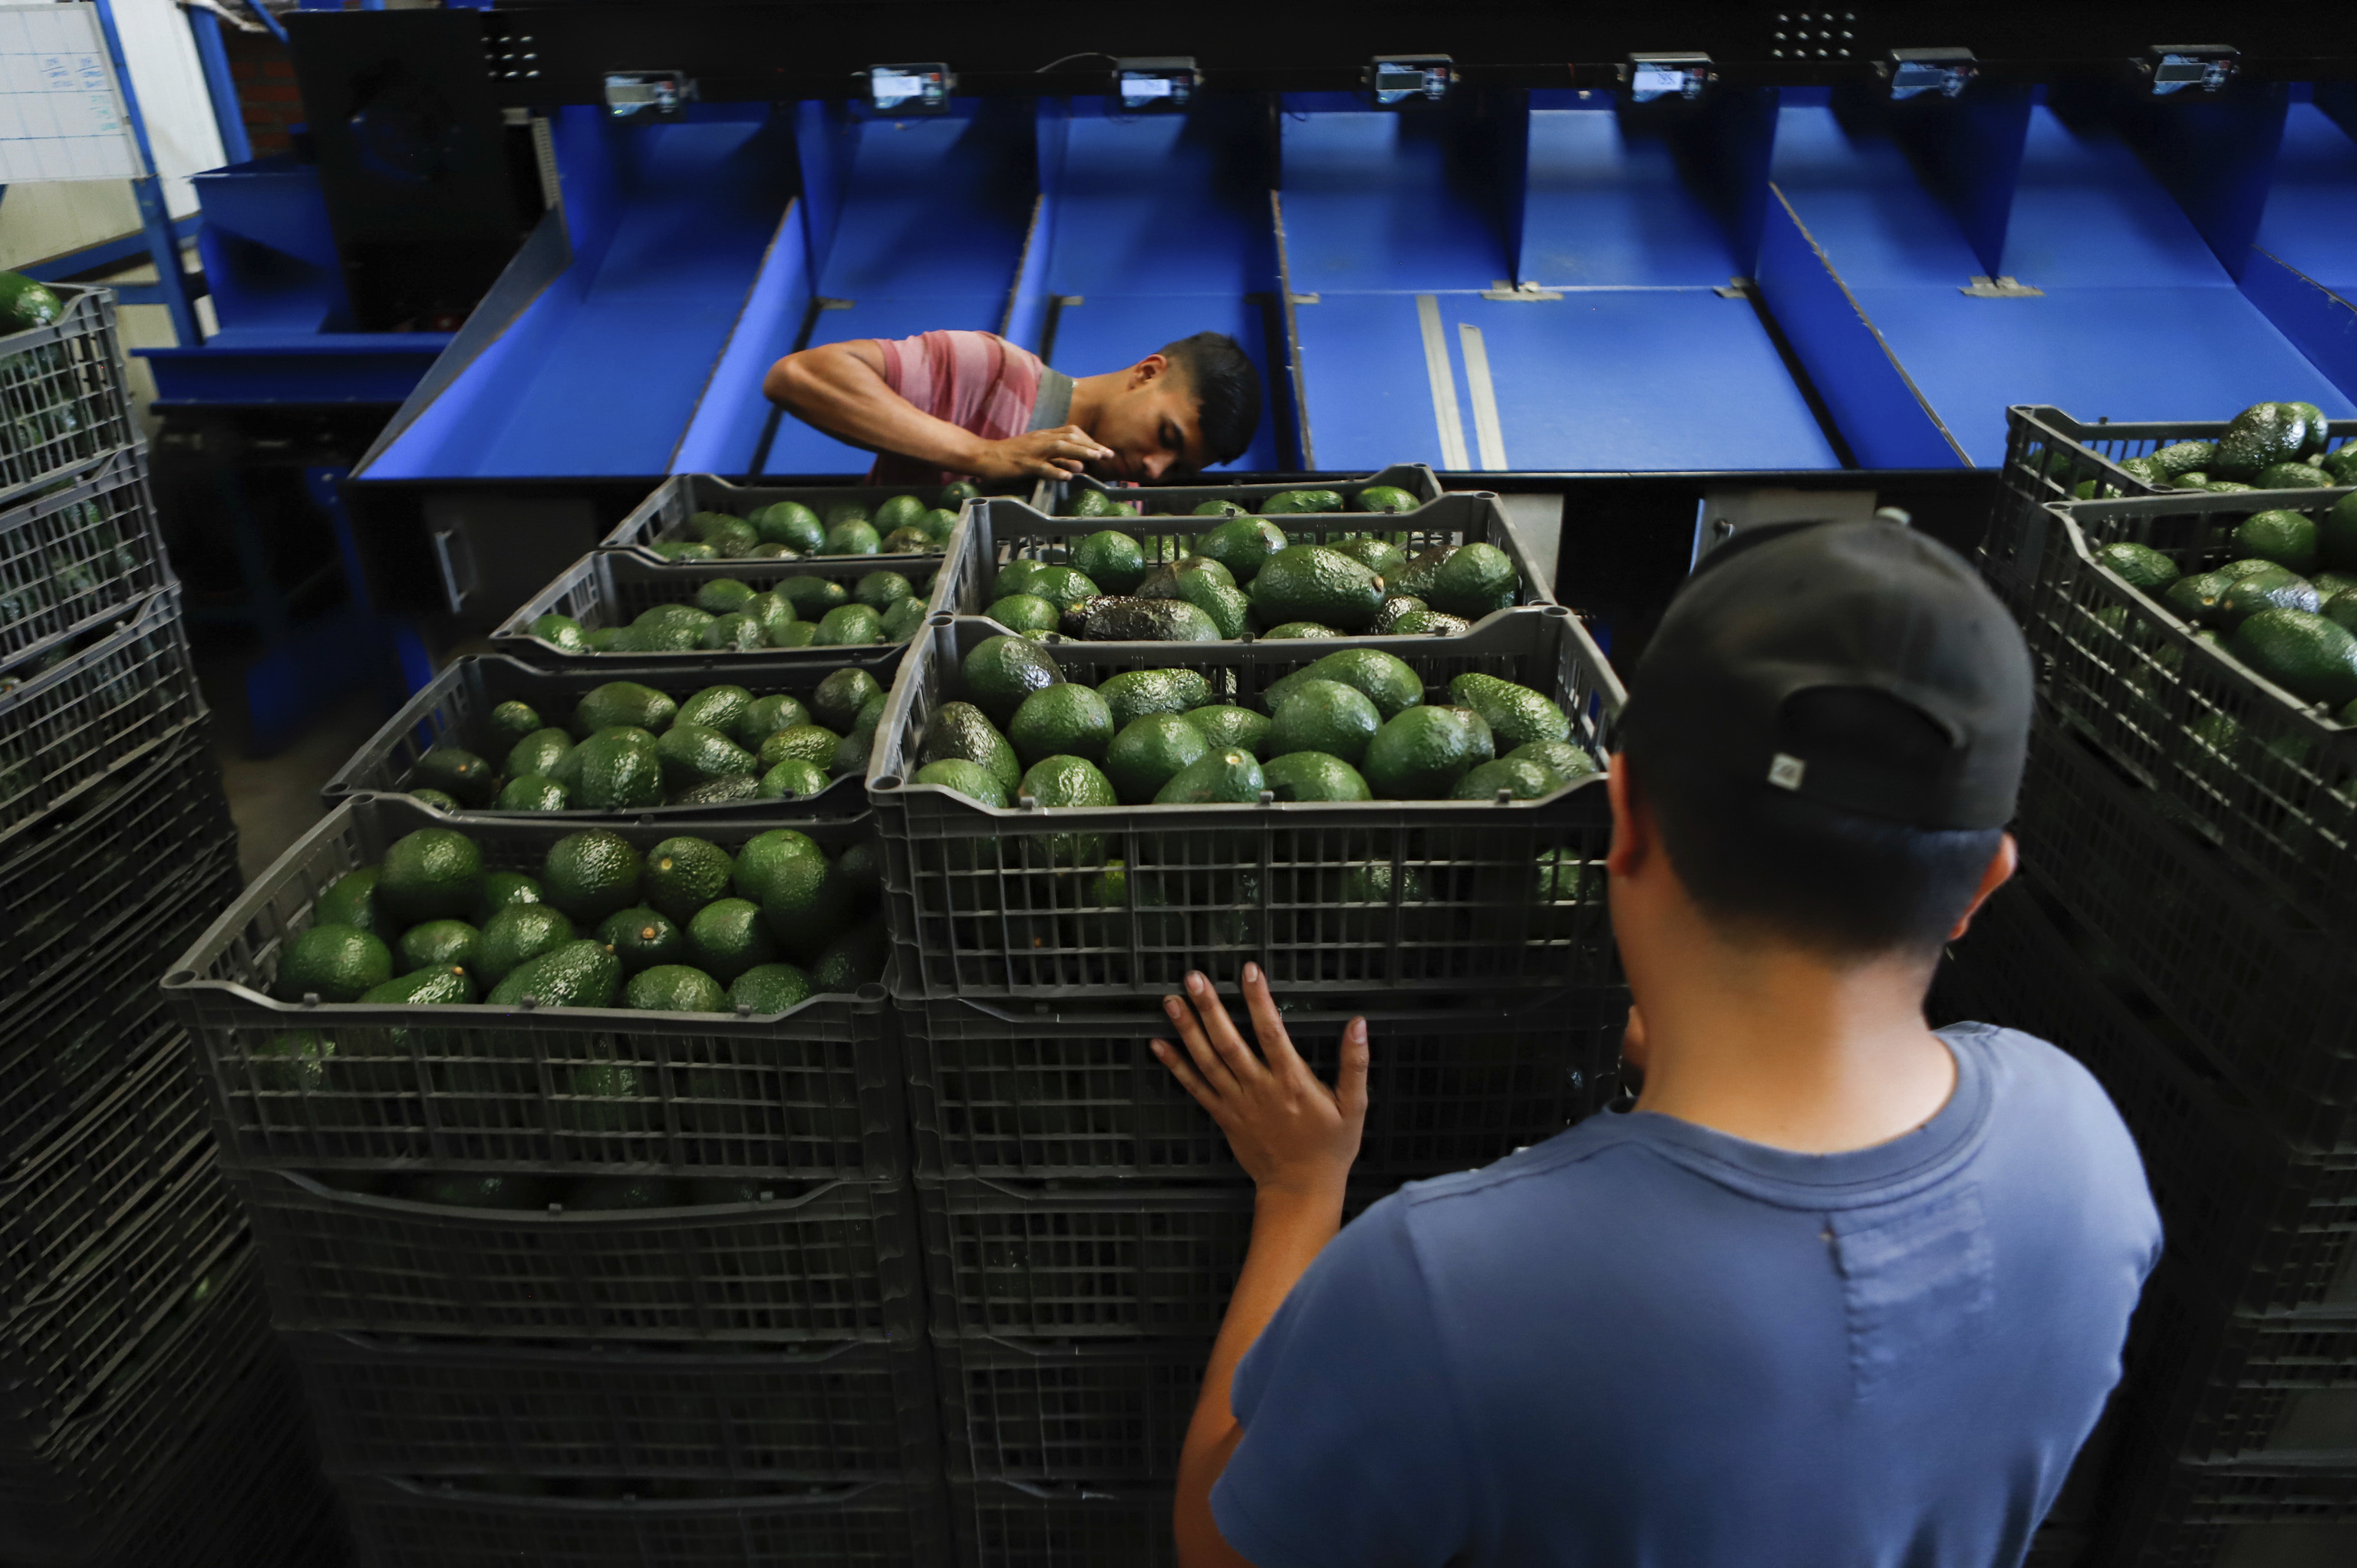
(1777, 1047)
(1090, 396)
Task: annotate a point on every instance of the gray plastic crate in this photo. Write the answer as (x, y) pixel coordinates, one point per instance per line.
(2223, 1516)
(1029, 1524)
(63, 400)
(832, 1262)
(442, 1408)
(611, 587)
(1096, 1261)
(877, 1524)
(64, 1353)
(2049, 455)
(155, 822)
(805, 1094)
(63, 1203)
(663, 517)
(1010, 1093)
(997, 531)
(455, 708)
(1066, 1411)
(67, 1045)
(1056, 497)
(986, 902)
(2270, 1002)
(72, 555)
(2268, 1229)
(2229, 753)
(114, 693)
(138, 1477)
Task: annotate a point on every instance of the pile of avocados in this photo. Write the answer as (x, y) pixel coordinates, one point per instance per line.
(627, 747)
(1243, 578)
(1352, 725)
(792, 531)
(2285, 603)
(730, 615)
(685, 927)
(2267, 447)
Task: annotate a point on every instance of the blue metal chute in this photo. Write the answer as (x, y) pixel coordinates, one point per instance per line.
(667, 227)
(2134, 315)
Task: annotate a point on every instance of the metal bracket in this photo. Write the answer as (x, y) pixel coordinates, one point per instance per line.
(1733, 288)
(2005, 285)
(1913, 72)
(1303, 298)
(826, 303)
(1505, 290)
(2173, 68)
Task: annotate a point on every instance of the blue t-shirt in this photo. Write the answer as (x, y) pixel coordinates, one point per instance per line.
(1644, 1344)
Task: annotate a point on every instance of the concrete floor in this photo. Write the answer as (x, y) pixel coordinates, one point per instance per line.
(276, 799)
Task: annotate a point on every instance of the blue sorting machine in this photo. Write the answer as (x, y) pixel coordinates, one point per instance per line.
(1509, 281)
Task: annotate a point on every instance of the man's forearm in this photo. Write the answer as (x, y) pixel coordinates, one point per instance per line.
(834, 389)
(1289, 1229)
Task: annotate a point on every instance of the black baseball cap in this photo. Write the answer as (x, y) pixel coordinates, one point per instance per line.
(1780, 615)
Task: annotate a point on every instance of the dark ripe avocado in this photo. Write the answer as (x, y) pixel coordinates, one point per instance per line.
(1516, 714)
(1113, 560)
(1387, 680)
(1242, 544)
(2285, 538)
(578, 974)
(1024, 613)
(1309, 581)
(2196, 597)
(956, 493)
(335, 963)
(537, 754)
(2312, 658)
(1227, 777)
(1520, 777)
(2275, 589)
(791, 524)
(1064, 720)
(1002, 671)
(2182, 457)
(432, 874)
(1473, 581)
(642, 938)
(812, 596)
(590, 875)
(449, 985)
(1323, 717)
(1115, 619)
(675, 988)
(2263, 433)
(1314, 776)
(619, 703)
(1297, 503)
(2138, 565)
(350, 900)
(971, 780)
(2336, 536)
(1229, 727)
(848, 626)
(837, 700)
(2292, 476)
(1422, 754)
(1135, 692)
(961, 732)
(1387, 498)
(517, 934)
(1148, 752)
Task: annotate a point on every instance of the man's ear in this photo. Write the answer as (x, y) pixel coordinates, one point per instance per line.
(1633, 825)
(1993, 876)
(1148, 370)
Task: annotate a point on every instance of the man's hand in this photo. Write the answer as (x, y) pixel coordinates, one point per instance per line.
(1040, 455)
(1289, 1132)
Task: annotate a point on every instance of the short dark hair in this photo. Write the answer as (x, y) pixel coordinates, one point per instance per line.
(1227, 391)
(1766, 864)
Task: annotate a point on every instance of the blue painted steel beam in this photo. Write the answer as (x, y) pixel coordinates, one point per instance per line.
(147, 189)
(221, 86)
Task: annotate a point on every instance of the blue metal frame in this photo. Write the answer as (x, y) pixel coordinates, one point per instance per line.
(154, 217)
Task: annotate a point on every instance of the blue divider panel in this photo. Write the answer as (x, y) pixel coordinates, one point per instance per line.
(1159, 226)
(2138, 320)
(669, 225)
(1637, 365)
(2303, 267)
(920, 225)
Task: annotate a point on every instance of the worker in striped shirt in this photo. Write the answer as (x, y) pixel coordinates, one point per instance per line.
(948, 405)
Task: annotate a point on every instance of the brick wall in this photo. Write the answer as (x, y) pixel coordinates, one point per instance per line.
(264, 74)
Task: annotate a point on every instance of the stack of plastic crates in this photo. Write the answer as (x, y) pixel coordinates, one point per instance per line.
(133, 1350)
(2185, 925)
(1082, 1220)
(717, 1359)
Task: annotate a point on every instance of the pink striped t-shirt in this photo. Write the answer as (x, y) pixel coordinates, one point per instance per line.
(976, 380)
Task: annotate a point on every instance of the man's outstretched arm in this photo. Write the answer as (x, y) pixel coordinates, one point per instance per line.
(1296, 1138)
(841, 389)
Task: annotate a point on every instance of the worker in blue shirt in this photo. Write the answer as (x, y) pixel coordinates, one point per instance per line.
(1840, 1291)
